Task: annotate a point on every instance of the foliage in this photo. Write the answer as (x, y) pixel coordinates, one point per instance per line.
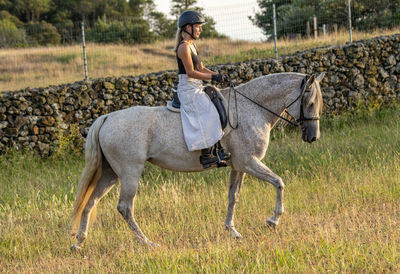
(32, 9)
(130, 22)
(42, 33)
(130, 31)
(161, 25)
(5, 15)
(293, 15)
(68, 141)
(10, 35)
(180, 6)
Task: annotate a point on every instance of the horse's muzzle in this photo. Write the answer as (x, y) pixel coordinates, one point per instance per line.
(310, 133)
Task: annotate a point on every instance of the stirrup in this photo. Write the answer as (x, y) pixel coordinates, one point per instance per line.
(214, 155)
(221, 153)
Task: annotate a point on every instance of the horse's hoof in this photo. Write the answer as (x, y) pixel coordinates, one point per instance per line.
(148, 243)
(271, 223)
(75, 248)
(236, 235)
(152, 245)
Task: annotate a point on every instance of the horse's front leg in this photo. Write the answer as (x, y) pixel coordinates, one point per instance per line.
(256, 168)
(235, 183)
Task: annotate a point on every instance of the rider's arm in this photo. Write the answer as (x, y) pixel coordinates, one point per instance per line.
(185, 55)
(202, 68)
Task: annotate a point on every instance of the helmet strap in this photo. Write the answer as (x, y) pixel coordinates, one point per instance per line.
(191, 34)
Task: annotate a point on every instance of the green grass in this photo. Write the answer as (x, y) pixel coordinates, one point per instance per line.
(341, 200)
(66, 58)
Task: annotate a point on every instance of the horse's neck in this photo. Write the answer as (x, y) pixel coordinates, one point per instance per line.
(272, 92)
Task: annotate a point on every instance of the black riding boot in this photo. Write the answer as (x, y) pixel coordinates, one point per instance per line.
(214, 155)
(221, 154)
(207, 158)
(175, 100)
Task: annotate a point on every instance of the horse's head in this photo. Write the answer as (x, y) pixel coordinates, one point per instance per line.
(309, 108)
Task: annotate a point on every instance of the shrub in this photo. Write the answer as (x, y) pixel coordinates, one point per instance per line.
(10, 35)
(42, 33)
(69, 141)
(129, 31)
(6, 15)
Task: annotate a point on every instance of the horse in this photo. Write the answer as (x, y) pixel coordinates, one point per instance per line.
(119, 143)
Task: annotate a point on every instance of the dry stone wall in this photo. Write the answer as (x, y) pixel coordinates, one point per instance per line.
(365, 72)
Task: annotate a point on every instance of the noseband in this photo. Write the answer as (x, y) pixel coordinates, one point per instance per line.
(298, 122)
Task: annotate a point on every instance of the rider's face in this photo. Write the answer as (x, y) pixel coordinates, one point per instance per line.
(197, 29)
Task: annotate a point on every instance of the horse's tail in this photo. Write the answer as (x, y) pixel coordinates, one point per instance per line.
(90, 175)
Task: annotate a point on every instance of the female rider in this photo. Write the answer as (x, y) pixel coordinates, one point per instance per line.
(200, 119)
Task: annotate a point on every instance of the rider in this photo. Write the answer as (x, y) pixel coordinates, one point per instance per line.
(200, 119)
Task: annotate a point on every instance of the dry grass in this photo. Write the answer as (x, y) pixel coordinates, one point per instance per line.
(341, 199)
(38, 67)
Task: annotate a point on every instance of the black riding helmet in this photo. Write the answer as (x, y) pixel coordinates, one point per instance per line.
(190, 17)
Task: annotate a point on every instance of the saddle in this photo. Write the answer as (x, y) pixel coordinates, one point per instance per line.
(216, 99)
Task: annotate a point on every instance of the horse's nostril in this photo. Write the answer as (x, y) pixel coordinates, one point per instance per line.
(314, 139)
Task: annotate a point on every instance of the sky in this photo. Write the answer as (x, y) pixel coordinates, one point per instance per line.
(231, 17)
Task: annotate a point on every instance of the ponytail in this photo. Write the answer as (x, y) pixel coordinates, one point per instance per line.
(178, 39)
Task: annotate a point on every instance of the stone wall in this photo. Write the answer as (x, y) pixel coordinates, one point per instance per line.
(366, 72)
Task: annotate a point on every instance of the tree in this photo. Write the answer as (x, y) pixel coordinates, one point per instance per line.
(10, 35)
(137, 7)
(5, 15)
(180, 6)
(42, 33)
(161, 25)
(32, 9)
(370, 14)
(5, 4)
(129, 31)
(293, 15)
(264, 18)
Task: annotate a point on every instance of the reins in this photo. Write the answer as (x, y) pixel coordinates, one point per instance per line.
(298, 121)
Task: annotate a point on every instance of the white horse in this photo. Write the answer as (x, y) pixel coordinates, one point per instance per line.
(119, 144)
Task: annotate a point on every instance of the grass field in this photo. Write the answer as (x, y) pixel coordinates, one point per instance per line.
(342, 210)
(40, 67)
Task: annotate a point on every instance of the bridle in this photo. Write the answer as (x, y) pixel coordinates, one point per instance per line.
(298, 122)
(302, 118)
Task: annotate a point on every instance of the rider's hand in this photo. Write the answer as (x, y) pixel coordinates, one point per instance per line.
(217, 77)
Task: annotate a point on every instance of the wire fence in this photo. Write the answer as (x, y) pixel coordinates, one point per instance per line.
(252, 21)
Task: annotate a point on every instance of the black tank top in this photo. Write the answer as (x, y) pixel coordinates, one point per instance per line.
(195, 59)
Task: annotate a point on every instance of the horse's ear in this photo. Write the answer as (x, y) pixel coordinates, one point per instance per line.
(311, 80)
(320, 77)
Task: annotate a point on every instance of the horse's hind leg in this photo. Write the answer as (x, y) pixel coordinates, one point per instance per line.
(235, 183)
(106, 181)
(129, 185)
